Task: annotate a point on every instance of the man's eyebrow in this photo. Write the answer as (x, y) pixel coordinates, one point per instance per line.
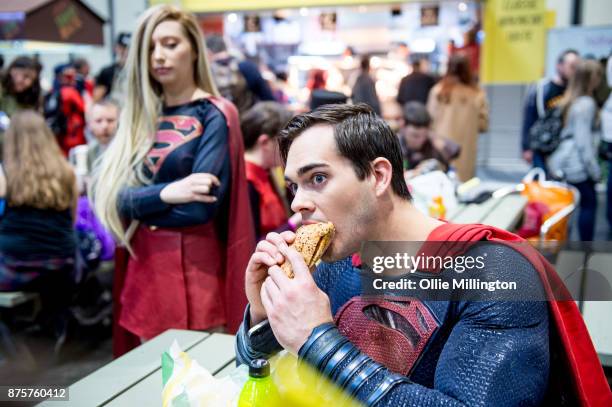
(303, 170)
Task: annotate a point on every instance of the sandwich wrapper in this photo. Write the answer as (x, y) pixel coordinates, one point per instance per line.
(187, 384)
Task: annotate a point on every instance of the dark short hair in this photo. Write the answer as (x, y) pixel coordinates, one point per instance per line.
(361, 136)
(565, 53)
(263, 118)
(79, 63)
(216, 43)
(416, 114)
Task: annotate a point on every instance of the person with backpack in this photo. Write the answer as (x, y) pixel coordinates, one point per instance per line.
(238, 81)
(575, 159)
(541, 99)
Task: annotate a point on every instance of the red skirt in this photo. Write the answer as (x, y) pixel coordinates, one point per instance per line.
(174, 281)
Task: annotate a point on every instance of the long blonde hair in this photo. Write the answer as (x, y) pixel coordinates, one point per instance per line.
(581, 83)
(37, 174)
(121, 164)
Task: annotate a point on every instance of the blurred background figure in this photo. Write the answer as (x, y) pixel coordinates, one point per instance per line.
(260, 126)
(37, 239)
(85, 84)
(459, 110)
(319, 95)
(416, 85)
(547, 94)
(102, 123)
(19, 89)
(575, 160)
(239, 81)
(65, 109)
(364, 90)
(111, 79)
(606, 141)
(421, 149)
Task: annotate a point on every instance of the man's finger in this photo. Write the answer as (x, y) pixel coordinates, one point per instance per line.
(300, 269)
(266, 301)
(289, 236)
(263, 258)
(277, 240)
(272, 288)
(278, 276)
(267, 247)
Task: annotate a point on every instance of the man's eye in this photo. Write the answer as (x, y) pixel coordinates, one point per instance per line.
(318, 179)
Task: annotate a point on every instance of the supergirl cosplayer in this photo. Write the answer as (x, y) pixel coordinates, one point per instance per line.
(171, 186)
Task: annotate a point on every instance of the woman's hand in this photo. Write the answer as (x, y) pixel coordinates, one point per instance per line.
(193, 188)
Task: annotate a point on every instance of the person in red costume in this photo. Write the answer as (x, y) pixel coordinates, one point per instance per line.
(171, 187)
(260, 126)
(73, 109)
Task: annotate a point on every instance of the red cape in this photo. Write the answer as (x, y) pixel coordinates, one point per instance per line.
(241, 233)
(580, 366)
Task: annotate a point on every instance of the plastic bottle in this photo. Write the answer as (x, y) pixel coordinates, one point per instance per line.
(259, 390)
(437, 209)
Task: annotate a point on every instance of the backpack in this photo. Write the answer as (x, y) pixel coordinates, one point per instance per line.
(232, 84)
(545, 134)
(54, 114)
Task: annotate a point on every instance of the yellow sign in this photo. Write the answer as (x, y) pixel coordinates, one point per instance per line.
(515, 40)
(205, 6)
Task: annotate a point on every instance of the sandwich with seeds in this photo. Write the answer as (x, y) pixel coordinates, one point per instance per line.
(311, 241)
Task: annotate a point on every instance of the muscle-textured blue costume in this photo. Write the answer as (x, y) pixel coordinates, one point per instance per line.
(450, 353)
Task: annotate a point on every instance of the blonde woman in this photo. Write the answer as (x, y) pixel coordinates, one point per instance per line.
(460, 111)
(37, 239)
(171, 186)
(575, 160)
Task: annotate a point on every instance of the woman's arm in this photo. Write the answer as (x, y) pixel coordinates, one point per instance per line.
(584, 111)
(211, 157)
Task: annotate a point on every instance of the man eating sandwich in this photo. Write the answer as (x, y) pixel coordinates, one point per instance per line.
(344, 166)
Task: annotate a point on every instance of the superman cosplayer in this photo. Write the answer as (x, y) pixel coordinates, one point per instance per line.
(190, 258)
(401, 351)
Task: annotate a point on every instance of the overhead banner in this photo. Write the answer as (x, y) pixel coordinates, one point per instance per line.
(515, 41)
(209, 6)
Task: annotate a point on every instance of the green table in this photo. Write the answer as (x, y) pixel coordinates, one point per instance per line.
(135, 378)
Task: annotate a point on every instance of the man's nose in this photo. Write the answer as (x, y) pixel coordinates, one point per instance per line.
(302, 202)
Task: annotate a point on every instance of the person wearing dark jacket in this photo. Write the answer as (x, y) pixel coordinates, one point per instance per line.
(416, 85)
(547, 93)
(364, 90)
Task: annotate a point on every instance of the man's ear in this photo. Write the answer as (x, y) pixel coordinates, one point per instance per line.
(262, 139)
(382, 171)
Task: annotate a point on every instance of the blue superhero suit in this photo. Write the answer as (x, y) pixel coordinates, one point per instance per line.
(451, 353)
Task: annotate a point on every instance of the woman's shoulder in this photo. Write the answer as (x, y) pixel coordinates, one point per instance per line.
(584, 104)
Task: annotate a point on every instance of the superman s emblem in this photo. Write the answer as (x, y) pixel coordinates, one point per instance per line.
(172, 132)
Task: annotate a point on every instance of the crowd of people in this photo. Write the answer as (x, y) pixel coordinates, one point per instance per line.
(181, 167)
(566, 130)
